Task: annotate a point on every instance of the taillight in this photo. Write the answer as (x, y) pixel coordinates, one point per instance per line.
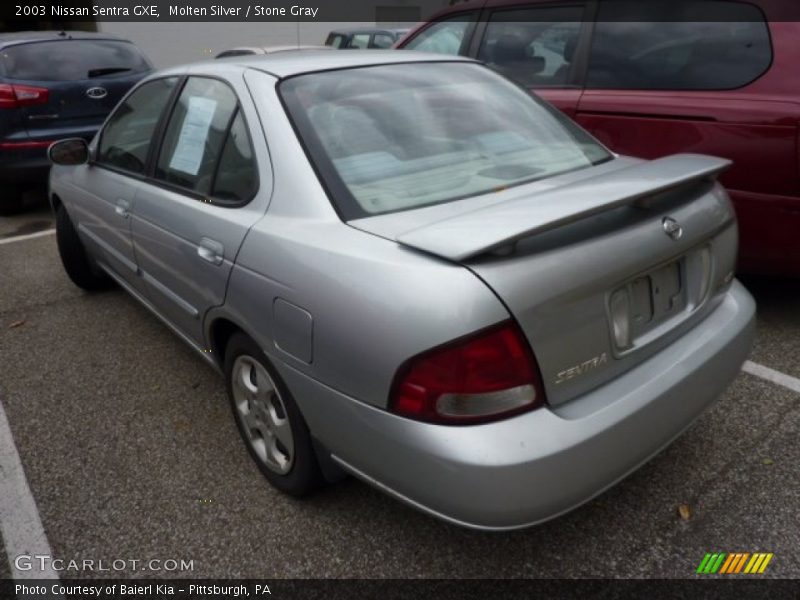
(487, 376)
(16, 96)
(7, 97)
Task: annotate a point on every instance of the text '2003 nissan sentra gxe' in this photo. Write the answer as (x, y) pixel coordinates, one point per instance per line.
(411, 270)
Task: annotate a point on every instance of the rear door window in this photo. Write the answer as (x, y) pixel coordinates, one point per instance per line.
(687, 50)
(534, 46)
(448, 36)
(195, 134)
(125, 140)
(236, 179)
(72, 60)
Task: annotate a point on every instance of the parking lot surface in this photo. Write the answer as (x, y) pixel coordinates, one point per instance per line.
(131, 452)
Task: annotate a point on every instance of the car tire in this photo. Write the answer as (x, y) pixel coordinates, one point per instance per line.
(13, 201)
(269, 421)
(79, 267)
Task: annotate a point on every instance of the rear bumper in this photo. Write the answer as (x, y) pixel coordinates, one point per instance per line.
(533, 467)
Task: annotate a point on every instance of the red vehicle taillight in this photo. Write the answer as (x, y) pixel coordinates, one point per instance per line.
(17, 96)
(487, 376)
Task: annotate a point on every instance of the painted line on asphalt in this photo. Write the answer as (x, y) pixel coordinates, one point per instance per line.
(27, 236)
(20, 524)
(782, 379)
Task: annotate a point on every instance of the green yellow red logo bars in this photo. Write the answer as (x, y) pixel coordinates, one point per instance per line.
(734, 563)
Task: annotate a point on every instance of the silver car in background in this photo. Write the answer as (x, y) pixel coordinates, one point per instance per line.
(410, 270)
(261, 50)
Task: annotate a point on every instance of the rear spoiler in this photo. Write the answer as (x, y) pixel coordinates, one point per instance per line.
(473, 233)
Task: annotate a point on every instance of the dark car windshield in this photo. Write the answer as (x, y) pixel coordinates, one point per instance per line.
(71, 60)
(397, 137)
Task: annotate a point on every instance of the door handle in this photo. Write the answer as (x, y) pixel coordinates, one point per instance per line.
(211, 251)
(123, 208)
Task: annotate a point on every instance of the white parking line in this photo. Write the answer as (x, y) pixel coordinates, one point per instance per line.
(782, 379)
(20, 524)
(29, 236)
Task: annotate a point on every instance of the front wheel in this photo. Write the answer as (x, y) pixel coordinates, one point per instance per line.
(274, 431)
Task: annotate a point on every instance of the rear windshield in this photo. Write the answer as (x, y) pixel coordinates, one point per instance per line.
(72, 60)
(398, 137)
(336, 40)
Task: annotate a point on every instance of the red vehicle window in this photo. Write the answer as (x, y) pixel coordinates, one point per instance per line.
(686, 55)
(533, 46)
(448, 36)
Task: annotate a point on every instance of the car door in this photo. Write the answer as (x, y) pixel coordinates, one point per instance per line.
(540, 46)
(655, 88)
(192, 215)
(110, 181)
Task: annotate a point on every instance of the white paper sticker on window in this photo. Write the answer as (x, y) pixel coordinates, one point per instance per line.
(188, 155)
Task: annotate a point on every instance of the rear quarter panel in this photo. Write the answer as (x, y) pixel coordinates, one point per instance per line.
(372, 303)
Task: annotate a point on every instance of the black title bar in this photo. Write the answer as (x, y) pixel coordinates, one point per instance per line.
(16, 12)
(397, 589)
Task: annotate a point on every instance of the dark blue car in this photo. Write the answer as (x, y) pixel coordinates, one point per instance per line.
(55, 85)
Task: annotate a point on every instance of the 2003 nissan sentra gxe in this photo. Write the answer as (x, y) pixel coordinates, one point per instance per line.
(410, 269)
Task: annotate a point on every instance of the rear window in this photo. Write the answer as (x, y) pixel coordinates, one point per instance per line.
(397, 137)
(72, 60)
(336, 40)
(230, 53)
(693, 52)
(533, 46)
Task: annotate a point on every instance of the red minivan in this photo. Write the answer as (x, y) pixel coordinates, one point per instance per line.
(717, 77)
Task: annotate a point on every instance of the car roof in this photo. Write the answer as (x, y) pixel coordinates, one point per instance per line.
(289, 64)
(261, 50)
(25, 37)
(366, 30)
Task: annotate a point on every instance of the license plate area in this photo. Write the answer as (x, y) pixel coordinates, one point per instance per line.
(652, 300)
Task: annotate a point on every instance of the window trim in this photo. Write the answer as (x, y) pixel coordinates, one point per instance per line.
(179, 189)
(94, 161)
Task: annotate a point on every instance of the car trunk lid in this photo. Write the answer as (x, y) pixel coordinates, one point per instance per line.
(658, 234)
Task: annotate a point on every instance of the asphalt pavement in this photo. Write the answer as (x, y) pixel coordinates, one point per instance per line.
(131, 453)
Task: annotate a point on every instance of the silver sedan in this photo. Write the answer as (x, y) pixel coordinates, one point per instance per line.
(410, 270)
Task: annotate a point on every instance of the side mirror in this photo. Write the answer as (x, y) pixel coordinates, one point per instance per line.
(72, 151)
